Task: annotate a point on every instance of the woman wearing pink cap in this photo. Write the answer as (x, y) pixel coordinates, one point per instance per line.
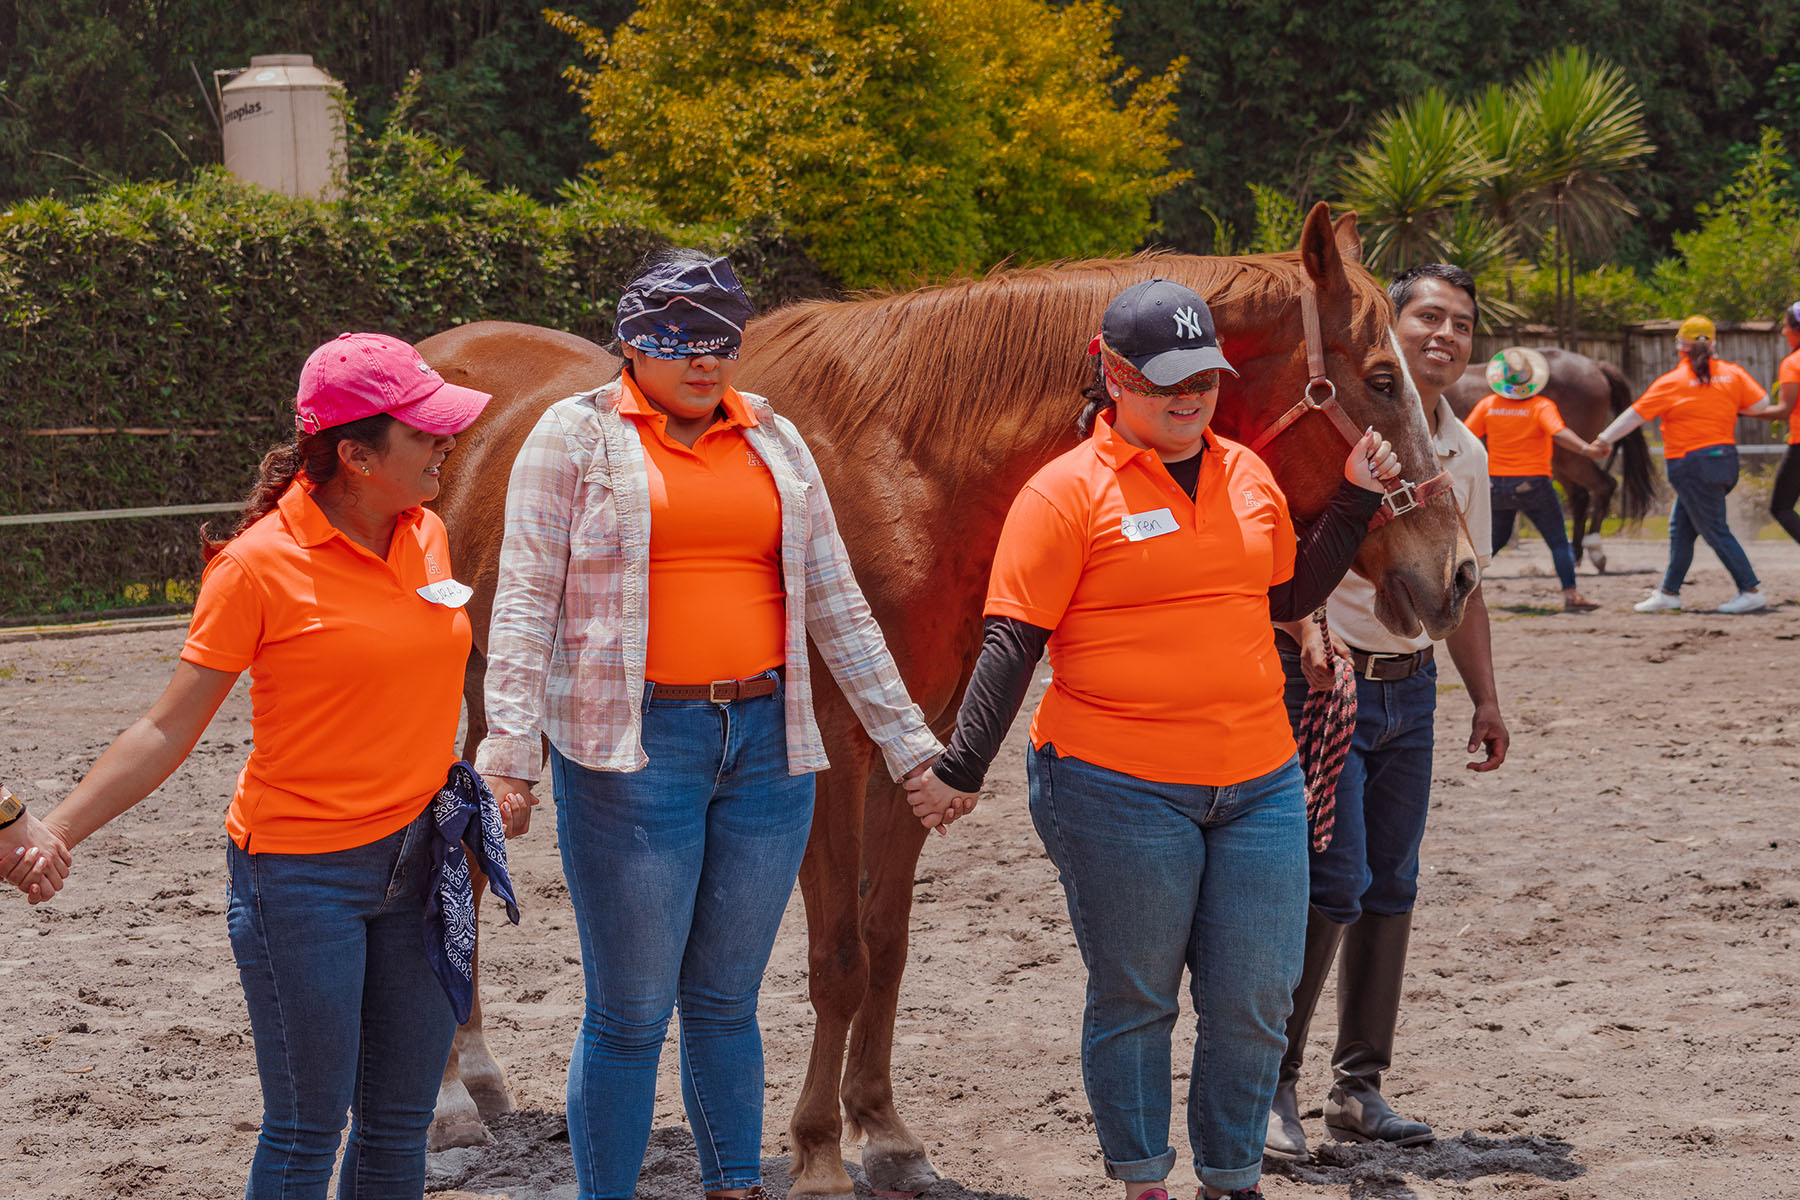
(334, 591)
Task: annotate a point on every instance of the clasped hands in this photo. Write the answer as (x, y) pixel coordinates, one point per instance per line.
(516, 802)
(33, 858)
(934, 802)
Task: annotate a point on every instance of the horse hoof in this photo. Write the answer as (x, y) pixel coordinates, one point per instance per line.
(456, 1121)
(899, 1176)
(1595, 551)
(489, 1093)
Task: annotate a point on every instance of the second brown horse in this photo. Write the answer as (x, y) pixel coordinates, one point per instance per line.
(927, 411)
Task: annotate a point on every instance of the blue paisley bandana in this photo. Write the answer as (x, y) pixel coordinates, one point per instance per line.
(464, 814)
(684, 310)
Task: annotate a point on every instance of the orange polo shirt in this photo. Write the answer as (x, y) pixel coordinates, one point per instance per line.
(1162, 663)
(1696, 417)
(1518, 433)
(717, 607)
(355, 678)
(1790, 373)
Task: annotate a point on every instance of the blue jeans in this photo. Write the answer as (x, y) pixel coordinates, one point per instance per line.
(346, 1014)
(679, 874)
(1535, 496)
(1383, 796)
(1161, 877)
(1702, 479)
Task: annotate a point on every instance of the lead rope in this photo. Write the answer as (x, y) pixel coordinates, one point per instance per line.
(1327, 719)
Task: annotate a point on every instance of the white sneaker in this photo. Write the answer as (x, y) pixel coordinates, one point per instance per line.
(1660, 601)
(1745, 602)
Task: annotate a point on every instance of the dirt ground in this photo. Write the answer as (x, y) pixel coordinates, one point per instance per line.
(1602, 998)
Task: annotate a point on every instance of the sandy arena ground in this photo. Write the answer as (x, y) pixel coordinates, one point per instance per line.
(1603, 988)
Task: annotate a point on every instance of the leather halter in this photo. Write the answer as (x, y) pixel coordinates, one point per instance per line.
(1320, 396)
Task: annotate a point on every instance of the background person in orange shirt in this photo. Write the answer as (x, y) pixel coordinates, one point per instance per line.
(334, 592)
(1520, 427)
(1150, 559)
(1780, 407)
(669, 551)
(1699, 402)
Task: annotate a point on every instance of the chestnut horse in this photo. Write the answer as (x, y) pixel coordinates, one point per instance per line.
(1588, 394)
(927, 411)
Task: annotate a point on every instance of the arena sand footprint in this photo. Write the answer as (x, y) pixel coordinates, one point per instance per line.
(1379, 1172)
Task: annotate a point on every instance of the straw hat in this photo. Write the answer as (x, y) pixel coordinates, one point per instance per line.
(1517, 373)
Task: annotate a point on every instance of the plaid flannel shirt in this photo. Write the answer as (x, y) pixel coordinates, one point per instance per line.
(567, 643)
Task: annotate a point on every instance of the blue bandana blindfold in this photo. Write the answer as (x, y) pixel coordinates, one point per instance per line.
(684, 310)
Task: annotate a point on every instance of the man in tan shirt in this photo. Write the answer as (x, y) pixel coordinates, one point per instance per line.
(1365, 883)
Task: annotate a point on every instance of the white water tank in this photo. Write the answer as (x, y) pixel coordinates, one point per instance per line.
(283, 123)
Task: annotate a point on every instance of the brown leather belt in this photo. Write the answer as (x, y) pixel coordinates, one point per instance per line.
(719, 691)
(1386, 668)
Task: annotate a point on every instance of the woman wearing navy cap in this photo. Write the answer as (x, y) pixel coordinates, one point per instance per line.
(669, 549)
(1149, 560)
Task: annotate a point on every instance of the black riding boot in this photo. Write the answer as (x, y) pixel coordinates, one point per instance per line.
(1370, 979)
(1286, 1138)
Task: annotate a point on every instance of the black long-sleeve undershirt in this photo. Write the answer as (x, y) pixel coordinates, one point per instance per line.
(1010, 648)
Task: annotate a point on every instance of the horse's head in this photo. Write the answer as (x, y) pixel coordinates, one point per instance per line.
(1420, 561)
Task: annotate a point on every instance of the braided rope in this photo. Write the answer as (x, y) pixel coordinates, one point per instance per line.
(1327, 719)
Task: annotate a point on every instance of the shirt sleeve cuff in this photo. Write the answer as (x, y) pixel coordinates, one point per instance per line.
(908, 751)
(212, 660)
(510, 757)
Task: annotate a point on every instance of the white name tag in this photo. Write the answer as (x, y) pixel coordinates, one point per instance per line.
(448, 593)
(1138, 527)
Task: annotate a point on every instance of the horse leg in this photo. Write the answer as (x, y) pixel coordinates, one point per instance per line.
(893, 1159)
(838, 967)
(1601, 494)
(473, 1086)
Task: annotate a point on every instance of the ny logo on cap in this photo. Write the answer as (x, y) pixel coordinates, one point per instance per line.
(1187, 323)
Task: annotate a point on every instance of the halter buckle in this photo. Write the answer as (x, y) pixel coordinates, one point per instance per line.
(1329, 387)
(1403, 499)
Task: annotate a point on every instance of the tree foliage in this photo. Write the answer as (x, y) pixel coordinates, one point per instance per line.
(1278, 91)
(94, 92)
(897, 138)
(1743, 263)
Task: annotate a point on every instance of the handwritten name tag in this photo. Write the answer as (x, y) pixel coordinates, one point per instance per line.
(448, 593)
(1139, 527)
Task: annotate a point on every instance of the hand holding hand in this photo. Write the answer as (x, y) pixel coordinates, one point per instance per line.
(935, 802)
(516, 802)
(1372, 463)
(33, 858)
(1598, 449)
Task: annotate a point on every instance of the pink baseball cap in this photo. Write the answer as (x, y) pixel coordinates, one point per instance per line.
(360, 374)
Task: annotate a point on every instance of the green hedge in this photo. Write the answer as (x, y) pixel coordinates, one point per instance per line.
(190, 308)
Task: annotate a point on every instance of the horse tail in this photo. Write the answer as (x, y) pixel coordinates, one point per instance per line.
(1639, 478)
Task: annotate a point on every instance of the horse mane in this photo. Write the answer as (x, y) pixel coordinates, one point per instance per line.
(898, 364)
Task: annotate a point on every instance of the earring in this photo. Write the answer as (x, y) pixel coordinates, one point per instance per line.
(365, 470)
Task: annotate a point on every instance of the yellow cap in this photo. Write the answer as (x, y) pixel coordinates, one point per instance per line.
(1695, 328)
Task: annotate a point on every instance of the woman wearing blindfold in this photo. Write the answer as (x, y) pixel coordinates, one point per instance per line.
(1163, 780)
(669, 547)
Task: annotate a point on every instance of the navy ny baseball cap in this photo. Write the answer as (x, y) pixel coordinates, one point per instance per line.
(1164, 330)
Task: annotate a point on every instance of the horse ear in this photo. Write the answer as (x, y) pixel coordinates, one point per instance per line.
(1349, 242)
(1319, 251)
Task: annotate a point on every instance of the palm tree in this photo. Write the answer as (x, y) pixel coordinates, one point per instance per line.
(1586, 126)
(1406, 182)
(1503, 125)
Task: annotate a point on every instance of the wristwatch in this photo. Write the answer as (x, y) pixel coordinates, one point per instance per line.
(11, 807)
